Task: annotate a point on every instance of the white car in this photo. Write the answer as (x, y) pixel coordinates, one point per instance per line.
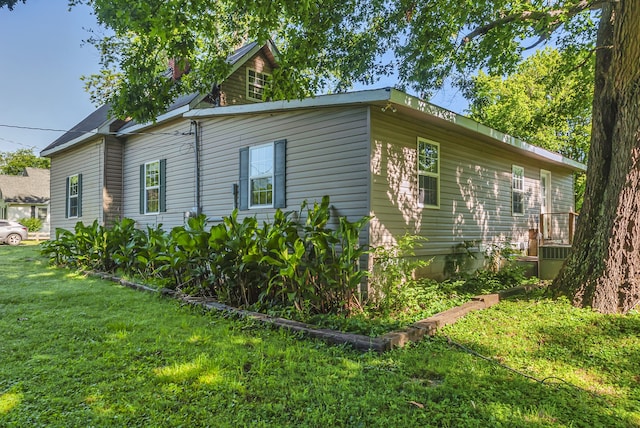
(12, 232)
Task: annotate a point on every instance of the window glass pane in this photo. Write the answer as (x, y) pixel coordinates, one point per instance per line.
(73, 207)
(73, 185)
(153, 201)
(262, 191)
(261, 161)
(428, 173)
(428, 157)
(518, 203)
(428, 190)
(42, 214)
(261, 168)
(152, 174)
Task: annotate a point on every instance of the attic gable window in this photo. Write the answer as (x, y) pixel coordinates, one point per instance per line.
(256, 84)
(517, 190)
(428, 173)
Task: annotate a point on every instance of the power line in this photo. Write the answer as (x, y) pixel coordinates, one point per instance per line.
(32, 147)
(76, 131)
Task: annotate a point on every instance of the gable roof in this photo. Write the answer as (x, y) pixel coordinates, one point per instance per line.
(97, 123)
(31, 188)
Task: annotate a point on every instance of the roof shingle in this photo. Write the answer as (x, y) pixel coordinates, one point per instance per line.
(31, 188)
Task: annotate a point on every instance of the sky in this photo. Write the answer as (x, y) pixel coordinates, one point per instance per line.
(42, 57)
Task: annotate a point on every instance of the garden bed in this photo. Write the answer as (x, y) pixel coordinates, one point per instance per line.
(394, 339)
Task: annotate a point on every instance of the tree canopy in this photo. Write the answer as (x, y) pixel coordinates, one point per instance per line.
(13, 163)
(324, 46)
(10, 3)
(546, 102)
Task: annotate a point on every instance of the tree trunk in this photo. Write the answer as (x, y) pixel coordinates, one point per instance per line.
(603, 271)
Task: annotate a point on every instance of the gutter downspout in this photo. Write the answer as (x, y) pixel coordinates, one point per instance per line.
(196, 144)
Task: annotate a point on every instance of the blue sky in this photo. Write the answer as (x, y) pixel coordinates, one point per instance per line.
(42, 57)
(41, 61)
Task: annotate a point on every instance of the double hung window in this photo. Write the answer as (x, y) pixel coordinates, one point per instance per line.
(517, 190)
(261, 176)
(428, 173)
(74, 196)
(256, 84)
(153, 187)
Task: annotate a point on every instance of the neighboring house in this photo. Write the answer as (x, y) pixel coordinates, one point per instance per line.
(26, 196)
(412, 166)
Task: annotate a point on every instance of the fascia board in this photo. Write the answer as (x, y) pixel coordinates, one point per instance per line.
(86, 136)
(362, 97)
(180, 111)
(402, 99)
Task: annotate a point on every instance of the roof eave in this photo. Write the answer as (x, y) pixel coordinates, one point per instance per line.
(349, 98)
(399, 99)
(402, 99)
(86, 136)
(176, 113)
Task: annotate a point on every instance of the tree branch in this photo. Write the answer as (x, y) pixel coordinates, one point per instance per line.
(533, 16)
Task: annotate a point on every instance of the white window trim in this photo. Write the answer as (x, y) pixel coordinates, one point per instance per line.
(427, 173)
(517, 169)
(256, 177)
(77, 176)
(146, 201)
(267, 75)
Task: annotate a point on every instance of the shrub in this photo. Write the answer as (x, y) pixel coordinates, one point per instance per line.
(392, 274)
(34, 224)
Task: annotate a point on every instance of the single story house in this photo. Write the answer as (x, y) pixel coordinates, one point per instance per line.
(413, 167)
(26, 196)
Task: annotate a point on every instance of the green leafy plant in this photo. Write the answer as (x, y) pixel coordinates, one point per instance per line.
(282, 263)
(460, 259)
(392, 273)
(34, 224)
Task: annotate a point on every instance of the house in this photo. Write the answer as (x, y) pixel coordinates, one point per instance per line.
(414, 167)
(26, 196)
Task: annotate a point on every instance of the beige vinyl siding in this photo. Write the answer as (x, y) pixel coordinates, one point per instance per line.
(172, 142)
(475, 188)
(562, 202)
(85, 159)
(234, 89)
(112, 192)
(327, 154)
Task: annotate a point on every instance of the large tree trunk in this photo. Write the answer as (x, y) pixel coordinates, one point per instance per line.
(603, 271)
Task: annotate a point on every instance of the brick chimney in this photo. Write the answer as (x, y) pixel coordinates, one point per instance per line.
(178, 67)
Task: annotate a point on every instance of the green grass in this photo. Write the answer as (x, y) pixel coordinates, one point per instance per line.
(78, 352)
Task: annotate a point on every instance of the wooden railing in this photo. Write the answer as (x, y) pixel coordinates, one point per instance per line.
(557, 228)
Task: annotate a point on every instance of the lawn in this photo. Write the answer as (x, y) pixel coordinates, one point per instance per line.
(78, 352)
